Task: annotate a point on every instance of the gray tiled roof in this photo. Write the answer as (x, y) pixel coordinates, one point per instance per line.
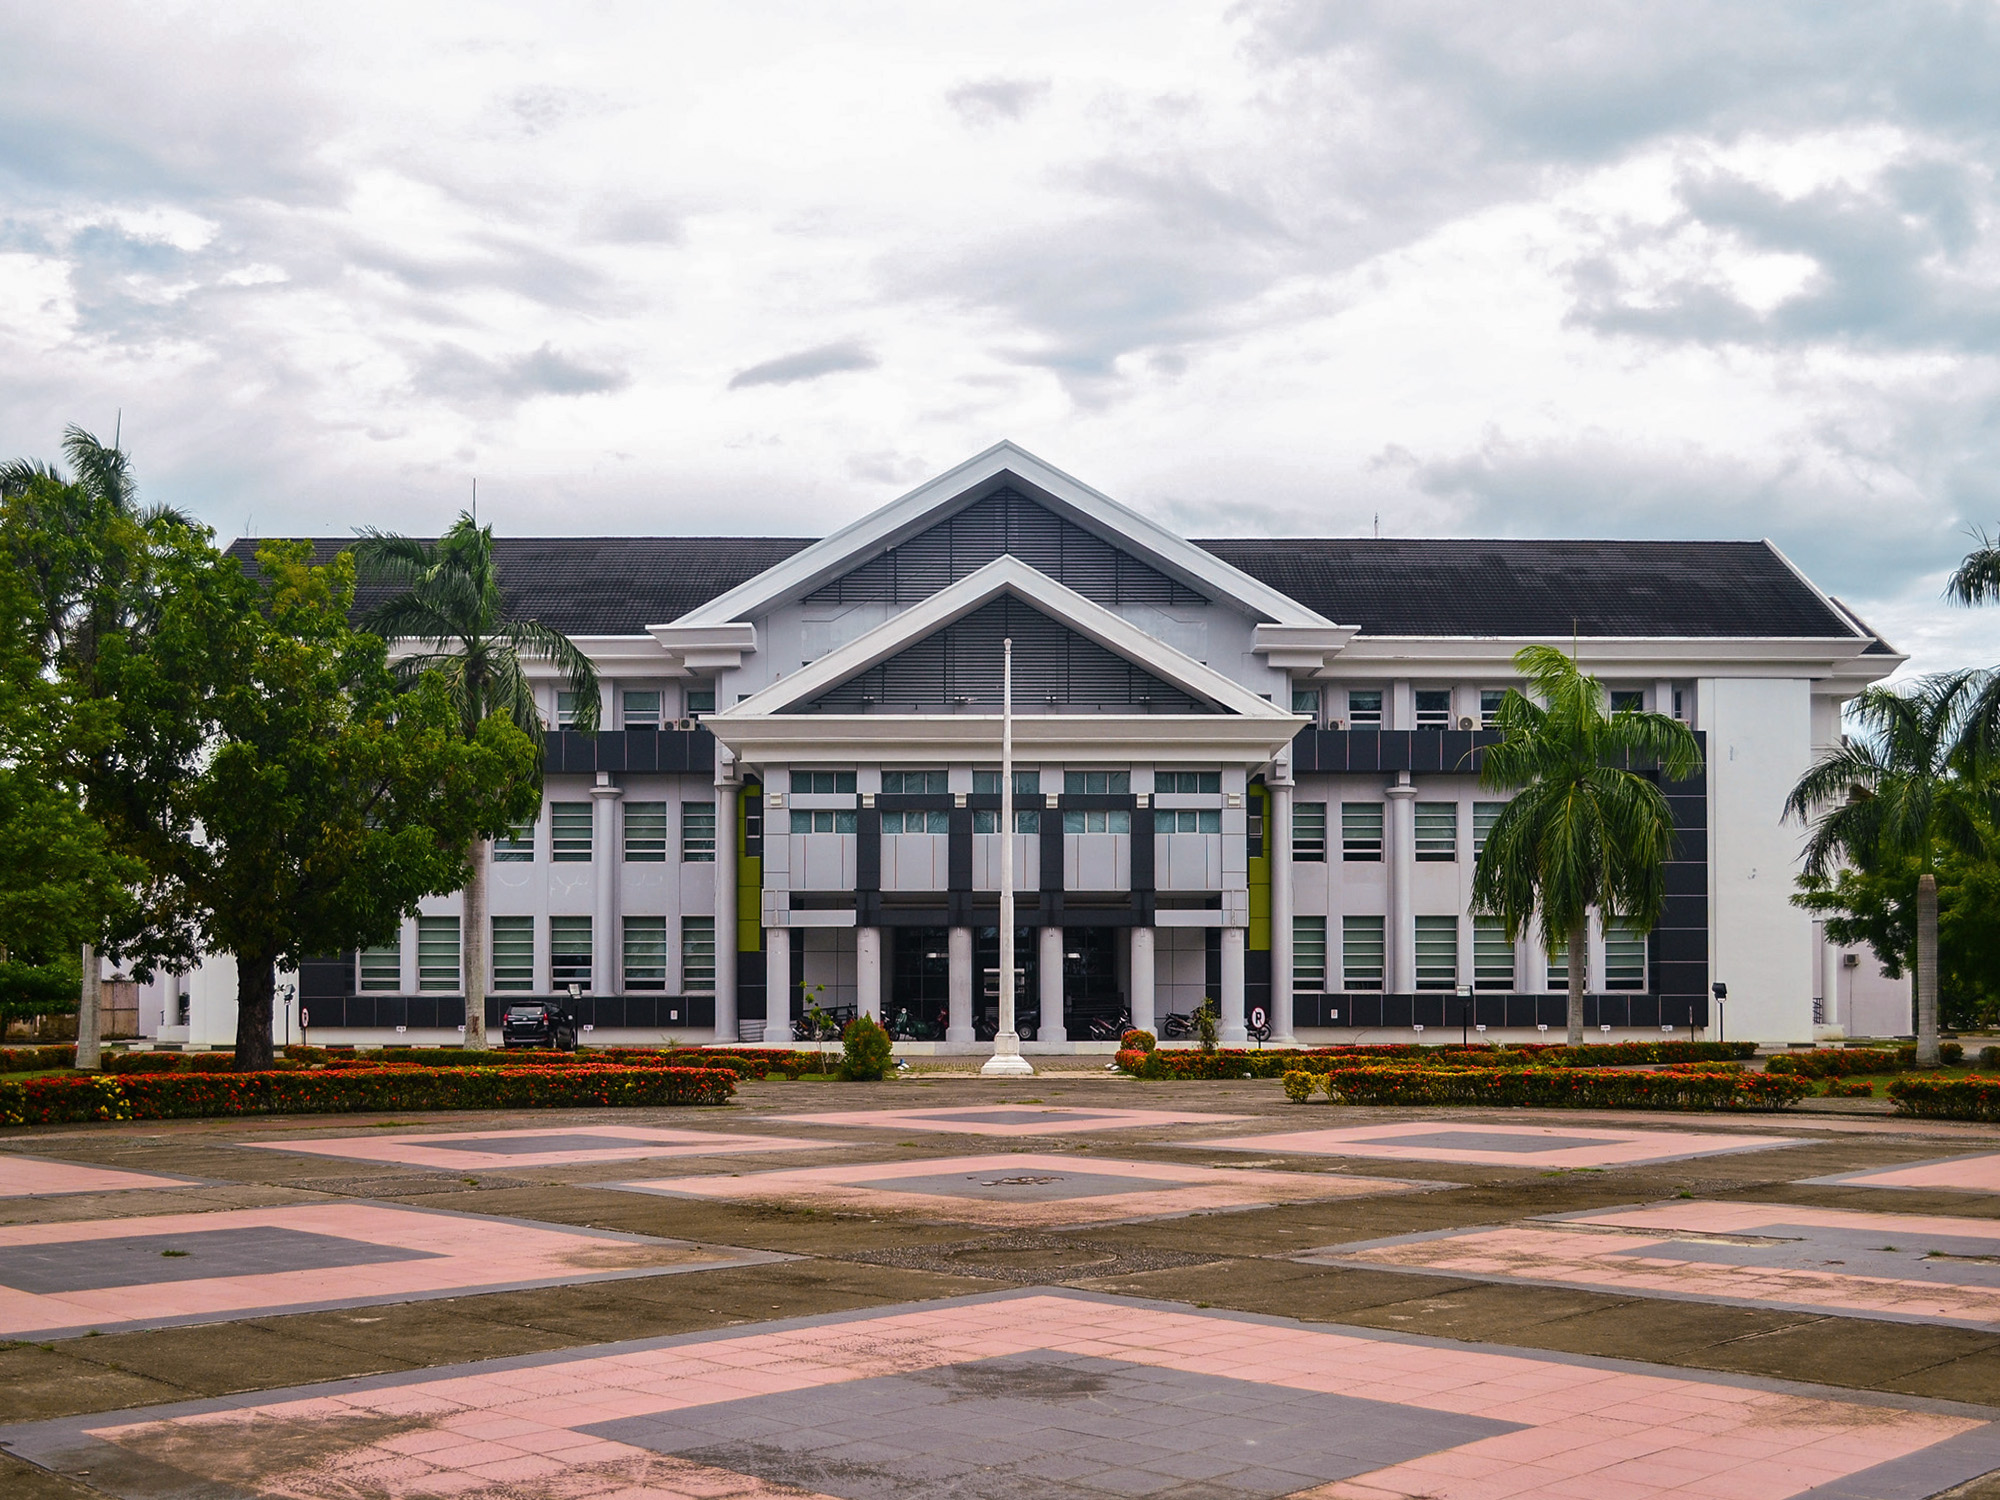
(1387, 586)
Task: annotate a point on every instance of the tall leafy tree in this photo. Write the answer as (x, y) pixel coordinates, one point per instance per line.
(1893, 791)
(1585, 828)
(451, 619)
(330, 802)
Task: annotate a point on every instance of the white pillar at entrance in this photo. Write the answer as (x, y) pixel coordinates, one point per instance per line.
(1051, 963)
(868, 972)
(604, 866)
(1829, 980)
(1400, 841)
(777, 984)
(1233, 1031)
(725, 912)
(1142, 978)
(958, 1020)
(1278, 842)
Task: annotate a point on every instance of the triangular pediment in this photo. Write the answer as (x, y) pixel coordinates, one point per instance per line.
(943, 655)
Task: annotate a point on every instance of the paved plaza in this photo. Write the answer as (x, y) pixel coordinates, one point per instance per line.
(1070, 1286)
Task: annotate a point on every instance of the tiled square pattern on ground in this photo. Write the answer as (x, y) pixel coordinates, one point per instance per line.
(1024, 1190)
(37, 1177)
(1035, 1393)
(488, 1149)
(1958, 1174)
(178, 1268)
(1903, 1266)
(1483, 1145)
(1010, 1119)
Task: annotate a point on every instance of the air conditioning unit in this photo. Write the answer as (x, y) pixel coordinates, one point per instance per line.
(1336, 723)
(1465, 723)
(684, 724)
(1850, 960)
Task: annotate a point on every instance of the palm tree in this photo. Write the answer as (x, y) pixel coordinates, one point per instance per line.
(452, 619)
(1895, 791)
(1584, 830)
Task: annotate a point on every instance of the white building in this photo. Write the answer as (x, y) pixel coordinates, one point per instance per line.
(1244, 769)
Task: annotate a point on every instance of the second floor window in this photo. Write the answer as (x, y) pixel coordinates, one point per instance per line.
(1437, 953)
(645, 953)
(382, 968)
(1490, 700)
(437, 953)
(1026, 820)
(1188, 820)
(1308, 953)
(914, 784)
(1097, 822)
(822, 783)
(1624, 956)
(822, 820)
(1097, 783)
(1361, 832)
(697, 833)
(1305, 701)
(1361, 952)
(1628, 701)
(1364, 708)
(1309, 832)
(570, 832)
(516, 846)
(1433, 708)
(1437, 831)
(1026, 783)
(569, 952)
(566, 706)
(645, 833)
(934, 821)
(697, 955)
(642, 710)
(1492, 955)
(1484, 816)
(513, 953)
(1188, 783)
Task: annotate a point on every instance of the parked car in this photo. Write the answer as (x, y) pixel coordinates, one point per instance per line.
(539, 1023)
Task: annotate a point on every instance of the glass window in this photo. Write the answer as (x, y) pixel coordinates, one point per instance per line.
(1490, 700)
(934, 821)
(1624, 956)
(565, 709)
(645, 833)
(1361, 832)
(1492, 955)
(1558, 968)
(823, 783)
(1433, 708)
(513, 953)
(697, 955)
(1309, 953)
(1188, 820)
(1305, 701)
(698, 833)
(1188, 783)
(1628, 701)
(1361, 952)
(700, 700)
(1437, 831)
(1309, 831)
(1364, 709)
(823, 820)
(1437, 953)
(915, 784)
(1026, 783)
(1025, 821)
(569, 829)
(382, 968)
(437, 953)
(1097, 822)
(1484, 816)
(1097, 783)
(642, 710)
(569, 952)
(645, 953)
(516, 846)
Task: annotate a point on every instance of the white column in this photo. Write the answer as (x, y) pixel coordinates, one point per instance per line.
(725, 911)
(604, 851)
(1829, 979)
(1233, 1031)
(1051, 962)
(1399, 838)
(868, 972)
(1278, 843)
(777, 984)
(958, 950)
(1142, 979)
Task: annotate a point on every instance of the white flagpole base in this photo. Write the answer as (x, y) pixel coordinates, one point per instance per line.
(1006, 1061)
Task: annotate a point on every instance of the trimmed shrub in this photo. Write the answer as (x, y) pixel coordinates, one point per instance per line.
(169, 1096)
(37, 1059)
(1299, 1086)
(864, 1051)
(1849, 1088)
(1138, 1041)
(1566, 1088)
(1933, 1098)
(184, 1062)
(1841, 1063)
(1235, 1063)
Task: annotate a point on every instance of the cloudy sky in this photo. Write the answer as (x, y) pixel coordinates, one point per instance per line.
(1272, 267)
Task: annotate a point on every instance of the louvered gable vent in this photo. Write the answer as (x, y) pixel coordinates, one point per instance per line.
(1004, 522)
(958, 668)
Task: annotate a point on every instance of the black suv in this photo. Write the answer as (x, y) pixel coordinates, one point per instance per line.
(539, 1023)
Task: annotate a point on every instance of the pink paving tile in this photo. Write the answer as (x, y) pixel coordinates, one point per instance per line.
(1957, 1174)
(181, 1268)
(1479, 1143)
(38, 1177)
(1487, 1425)
(1010, 1119)
(546, 1146)
(1025, 1189)
(1905, 1267)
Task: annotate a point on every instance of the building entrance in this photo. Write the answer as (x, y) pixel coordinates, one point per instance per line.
(1093, 999)
(919, 1005)
(986, 992)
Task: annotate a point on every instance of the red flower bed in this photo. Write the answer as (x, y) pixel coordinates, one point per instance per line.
(1236, 1062)
(36, 1059)
(167, 1096)
(1934, 1098)
(1566, 1088)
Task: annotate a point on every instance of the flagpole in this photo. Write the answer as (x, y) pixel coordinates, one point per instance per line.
(1006, 1060)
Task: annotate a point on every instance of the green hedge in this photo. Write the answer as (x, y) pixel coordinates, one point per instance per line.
(1565, 1088)
(169, 1096)
(1933, 1098)
(1845, 1061)
(1239, 1063)
(37, 1059)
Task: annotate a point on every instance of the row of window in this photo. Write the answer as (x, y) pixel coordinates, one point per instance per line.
(1363, 949)
(1361, 829)
(572, 835)
(641, 708)
(833, 820)
(511, 965)
(1026, 783)
(1433, 705)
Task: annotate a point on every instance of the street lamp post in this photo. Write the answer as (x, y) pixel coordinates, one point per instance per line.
(1721, 993)
(1006, 1061)
(1465, 1015)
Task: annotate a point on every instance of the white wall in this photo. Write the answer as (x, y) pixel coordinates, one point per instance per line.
(1760, 736)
